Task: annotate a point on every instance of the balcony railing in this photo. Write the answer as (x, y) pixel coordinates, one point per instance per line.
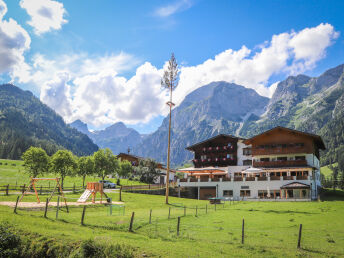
(280, 163)
(287, 150)
(240, 179)
(213, 162)
(219, 149)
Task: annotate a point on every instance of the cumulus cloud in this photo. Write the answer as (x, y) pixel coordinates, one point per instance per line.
(46, 15)
(14, 41)
(168, 10)
(93, 90)
(56, 93)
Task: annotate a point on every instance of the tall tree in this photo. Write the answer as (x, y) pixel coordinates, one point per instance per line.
(125, 169)
(169, 81)
(36, 161)
(85, 167)
(147, 170)
(340, 158)
(105, 162)
(63, 163)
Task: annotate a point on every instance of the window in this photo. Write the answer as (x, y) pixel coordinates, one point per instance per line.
(228, 156)
(247, 151)
(262, 193)
(228, 193)
(204, 157)
(245, 193)
(300, 158)
(281, 158)
(247, 162)
(264, 159)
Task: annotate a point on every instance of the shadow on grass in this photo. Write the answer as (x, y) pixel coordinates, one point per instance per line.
(289, 212)
(332, 195)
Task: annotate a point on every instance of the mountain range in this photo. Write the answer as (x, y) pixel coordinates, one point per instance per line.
(310, 104)
(116, 137)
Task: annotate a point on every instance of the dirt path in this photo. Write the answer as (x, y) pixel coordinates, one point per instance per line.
(42, 204)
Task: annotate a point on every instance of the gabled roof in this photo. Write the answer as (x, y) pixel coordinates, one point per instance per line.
(295, 185)
(317, 139)
(212, 138)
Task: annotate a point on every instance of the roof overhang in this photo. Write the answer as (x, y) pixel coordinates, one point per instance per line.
(295, 185)
(317, 139)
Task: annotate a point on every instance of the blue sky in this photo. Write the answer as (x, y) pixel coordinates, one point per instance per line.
(100, 61)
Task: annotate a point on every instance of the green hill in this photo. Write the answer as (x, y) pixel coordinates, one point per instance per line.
(25, 121)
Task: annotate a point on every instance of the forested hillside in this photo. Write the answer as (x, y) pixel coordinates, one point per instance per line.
(25, 121)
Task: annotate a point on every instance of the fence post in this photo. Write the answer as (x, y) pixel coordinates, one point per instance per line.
(83, 215)
(196, 210)
(243, 232)
(120, 194)
(131, 222)
(15, 207)
(46, 208)
(206, 209)
(57, 207)
(40, 191)
(7, 189)
(184, 211)
(74, 188)
(299, 240)
(215, 206)
(150, 216)
(178, 225)
(23, 188)
(169, 212)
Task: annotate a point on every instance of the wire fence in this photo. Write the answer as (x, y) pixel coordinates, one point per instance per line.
(197, 223)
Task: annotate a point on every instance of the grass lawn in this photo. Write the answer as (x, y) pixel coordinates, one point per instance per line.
(271, 228)
(326, 171)
(12, 172)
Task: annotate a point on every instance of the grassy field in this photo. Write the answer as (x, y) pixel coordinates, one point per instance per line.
(326, 171)
(271, 228)
(12, 172)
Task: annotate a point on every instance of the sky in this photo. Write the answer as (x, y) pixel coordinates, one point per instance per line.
(102, 61)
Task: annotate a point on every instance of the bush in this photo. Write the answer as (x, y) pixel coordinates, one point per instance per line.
(94, 248)
(9, 242)
(118, 182)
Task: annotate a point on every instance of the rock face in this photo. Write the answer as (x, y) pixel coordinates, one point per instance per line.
(117, 137)
(218, 107)
(308, 104)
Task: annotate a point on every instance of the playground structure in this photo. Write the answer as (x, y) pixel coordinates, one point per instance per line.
(92, 189)
(33, 185)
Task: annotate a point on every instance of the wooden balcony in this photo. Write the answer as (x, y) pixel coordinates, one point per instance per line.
(280, 163)
(288, 150)
(213, 163)
(275, 178)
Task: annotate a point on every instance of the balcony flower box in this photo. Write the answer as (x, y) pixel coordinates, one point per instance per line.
(262, 178)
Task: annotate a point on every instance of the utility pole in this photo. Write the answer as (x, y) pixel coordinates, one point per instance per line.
(170, 82)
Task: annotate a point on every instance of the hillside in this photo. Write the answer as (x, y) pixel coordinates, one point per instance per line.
(26, 121)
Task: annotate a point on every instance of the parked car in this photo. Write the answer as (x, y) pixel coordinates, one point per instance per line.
(107, 184)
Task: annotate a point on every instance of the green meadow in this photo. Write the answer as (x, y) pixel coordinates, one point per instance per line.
(271, 228)
(12, 172)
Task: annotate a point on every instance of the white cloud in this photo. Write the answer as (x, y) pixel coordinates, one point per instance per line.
(286, 53)
(92, 89)
(46, 15)
(14, 41)
(168, 10)
(56, 93)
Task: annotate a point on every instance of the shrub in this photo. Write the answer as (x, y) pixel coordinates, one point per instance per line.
(118, 182)
(9, 242)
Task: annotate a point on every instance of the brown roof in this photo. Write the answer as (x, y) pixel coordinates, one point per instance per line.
(317, 139)
(212, 138)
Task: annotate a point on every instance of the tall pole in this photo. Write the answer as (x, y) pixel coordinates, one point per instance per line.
(169, 147)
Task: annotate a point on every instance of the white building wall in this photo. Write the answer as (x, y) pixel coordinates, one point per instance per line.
(241, 157)
(236, 186)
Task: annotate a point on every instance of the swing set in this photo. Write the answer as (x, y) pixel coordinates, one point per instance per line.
(33, 184)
